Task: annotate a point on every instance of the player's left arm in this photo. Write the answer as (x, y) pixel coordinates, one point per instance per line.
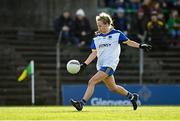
(124, 39)
(131, 43)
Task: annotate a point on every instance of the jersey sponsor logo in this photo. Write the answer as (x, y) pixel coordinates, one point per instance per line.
(104, 45)
(100, 101)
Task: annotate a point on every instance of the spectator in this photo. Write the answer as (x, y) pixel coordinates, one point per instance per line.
(120, 21)
(174, 25)
(65, 24)
(157, 7)
(82, 27)
(156, 32)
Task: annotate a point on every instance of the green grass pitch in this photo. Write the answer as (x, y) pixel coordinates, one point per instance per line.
(105, 113)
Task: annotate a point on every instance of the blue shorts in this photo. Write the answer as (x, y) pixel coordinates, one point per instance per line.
(108, 70)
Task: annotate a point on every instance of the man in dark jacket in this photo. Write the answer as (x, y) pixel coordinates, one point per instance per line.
(65, 24)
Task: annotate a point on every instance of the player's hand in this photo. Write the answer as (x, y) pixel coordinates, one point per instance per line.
(145, 47)
(82, 67)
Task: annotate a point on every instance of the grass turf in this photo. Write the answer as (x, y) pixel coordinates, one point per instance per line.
(90, 113)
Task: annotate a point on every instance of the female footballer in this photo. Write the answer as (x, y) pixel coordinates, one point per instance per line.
(106, 46)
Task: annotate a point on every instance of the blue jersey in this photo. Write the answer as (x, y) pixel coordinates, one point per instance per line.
(108, 48)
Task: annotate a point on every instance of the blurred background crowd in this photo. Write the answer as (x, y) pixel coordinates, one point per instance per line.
(154, 21)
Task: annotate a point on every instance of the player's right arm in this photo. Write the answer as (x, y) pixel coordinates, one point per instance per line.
(93, 54)
(91, 57)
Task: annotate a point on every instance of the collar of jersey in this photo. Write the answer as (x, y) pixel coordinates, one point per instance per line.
(111, 32)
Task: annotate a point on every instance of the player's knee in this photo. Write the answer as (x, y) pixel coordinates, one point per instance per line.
(91, 82)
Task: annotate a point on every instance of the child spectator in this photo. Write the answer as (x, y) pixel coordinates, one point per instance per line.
(174, 25)
(82, 27)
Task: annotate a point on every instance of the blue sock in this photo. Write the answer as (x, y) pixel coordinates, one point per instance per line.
(83, 102)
